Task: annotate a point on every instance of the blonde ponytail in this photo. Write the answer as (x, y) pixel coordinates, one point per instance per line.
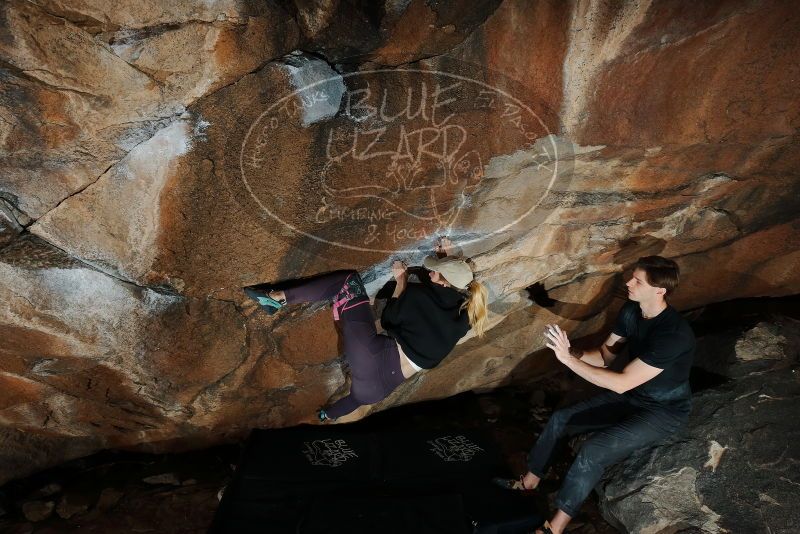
(476, 305)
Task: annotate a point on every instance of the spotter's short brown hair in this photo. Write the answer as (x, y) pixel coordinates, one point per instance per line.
(660, 272)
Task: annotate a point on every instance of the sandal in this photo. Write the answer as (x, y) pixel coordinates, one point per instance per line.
(511, 484)
(544, 529)
(267, 303)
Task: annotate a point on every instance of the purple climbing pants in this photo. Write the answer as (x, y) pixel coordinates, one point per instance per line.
(373, 359)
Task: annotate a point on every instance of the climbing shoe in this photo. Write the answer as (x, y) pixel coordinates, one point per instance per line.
(267, 303)
(511, 484)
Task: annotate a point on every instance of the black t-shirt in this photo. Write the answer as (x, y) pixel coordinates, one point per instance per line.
(666, 341)
(426, 319)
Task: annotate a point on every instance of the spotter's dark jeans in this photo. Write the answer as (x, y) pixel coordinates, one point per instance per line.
(621, 425)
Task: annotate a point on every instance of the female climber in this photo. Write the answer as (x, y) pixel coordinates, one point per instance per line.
(423, 320)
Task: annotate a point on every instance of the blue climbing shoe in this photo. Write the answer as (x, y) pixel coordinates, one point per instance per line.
(323, 416)
(267, 303)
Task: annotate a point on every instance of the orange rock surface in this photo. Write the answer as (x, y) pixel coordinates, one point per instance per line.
(159, 156)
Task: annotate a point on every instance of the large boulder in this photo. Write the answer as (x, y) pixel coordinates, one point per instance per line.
(167, 154)
(736, 466)
(10, 227)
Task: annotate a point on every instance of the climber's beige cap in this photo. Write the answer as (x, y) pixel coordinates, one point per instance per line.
(455, 270)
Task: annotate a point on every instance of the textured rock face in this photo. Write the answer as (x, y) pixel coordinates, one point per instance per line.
(735, 468)
(85, 82)
(166, 154)
(769, 341)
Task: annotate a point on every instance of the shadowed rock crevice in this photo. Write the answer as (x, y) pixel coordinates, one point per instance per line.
(386, 33)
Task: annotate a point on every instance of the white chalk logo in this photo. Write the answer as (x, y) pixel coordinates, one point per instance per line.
(383, 160)
(328, 452)
(454, 448)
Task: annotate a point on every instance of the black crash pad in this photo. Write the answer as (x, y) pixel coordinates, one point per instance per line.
(355, 478)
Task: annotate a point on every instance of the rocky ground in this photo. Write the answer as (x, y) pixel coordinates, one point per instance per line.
(734, 468)
(120, 492)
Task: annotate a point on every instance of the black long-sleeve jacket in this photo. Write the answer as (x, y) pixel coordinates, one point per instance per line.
(427, 320)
